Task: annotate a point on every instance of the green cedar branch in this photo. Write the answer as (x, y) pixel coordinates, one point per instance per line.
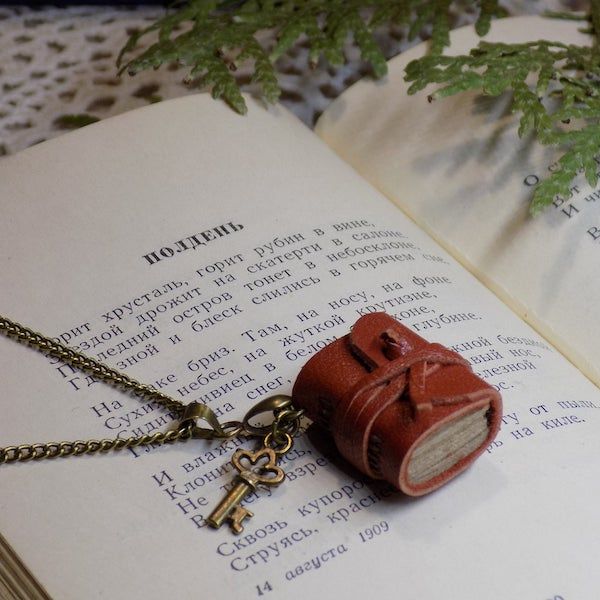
(555, 87)
(555, 90)
(214, 37)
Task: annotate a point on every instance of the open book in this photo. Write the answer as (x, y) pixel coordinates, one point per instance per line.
(211, 255)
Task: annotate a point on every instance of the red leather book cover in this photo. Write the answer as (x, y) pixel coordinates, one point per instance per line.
(398, 407)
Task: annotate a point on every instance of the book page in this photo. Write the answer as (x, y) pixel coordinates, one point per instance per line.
(211, 255)
(459, 169)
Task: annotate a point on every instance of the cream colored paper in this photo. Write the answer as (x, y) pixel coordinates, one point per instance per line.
(80, 214)
(458, 168)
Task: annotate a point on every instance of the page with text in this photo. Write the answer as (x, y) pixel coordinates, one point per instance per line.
(458, 167)
(211, 255)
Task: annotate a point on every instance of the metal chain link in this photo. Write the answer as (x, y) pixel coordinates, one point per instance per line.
(102, 372)
(82, 362)
(26, 452)
(278, 434)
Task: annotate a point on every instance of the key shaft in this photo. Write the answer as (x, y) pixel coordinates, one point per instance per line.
(261, 470)
(230, 509)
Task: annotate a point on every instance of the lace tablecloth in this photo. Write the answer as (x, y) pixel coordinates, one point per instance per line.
(61, 61)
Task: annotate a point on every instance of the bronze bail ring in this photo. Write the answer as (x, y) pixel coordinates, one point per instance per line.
(272, 404)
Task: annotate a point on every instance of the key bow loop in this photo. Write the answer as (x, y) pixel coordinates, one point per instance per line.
(258, 467)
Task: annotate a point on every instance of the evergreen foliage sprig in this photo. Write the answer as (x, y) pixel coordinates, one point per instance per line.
(215, 37)
(555, 88)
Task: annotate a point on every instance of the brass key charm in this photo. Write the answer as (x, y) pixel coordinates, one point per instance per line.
(268, 473)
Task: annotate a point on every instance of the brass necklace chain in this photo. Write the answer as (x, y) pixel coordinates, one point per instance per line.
(276, 435)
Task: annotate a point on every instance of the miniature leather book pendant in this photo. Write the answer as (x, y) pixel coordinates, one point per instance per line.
(398, 407)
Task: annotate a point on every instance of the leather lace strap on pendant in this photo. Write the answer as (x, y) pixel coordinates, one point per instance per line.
(377, 390)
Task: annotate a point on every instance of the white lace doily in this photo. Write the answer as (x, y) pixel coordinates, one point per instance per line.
(56, 62)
